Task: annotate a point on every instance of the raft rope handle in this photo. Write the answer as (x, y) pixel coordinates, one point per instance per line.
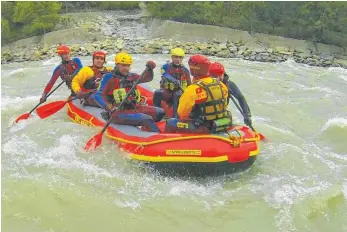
(231, 141)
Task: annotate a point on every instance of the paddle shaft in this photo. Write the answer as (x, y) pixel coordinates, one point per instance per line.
(86, 95)
(124, 100)
(239, 108)
(47, 96)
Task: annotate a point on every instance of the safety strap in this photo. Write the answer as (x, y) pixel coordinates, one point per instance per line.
(213, 102)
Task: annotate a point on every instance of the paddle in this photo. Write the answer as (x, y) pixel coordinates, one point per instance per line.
(96, 140)
(53, 107)
(26, 115)
(262, 137)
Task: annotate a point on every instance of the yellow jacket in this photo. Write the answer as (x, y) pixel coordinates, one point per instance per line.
(194, 94)
(84, 75)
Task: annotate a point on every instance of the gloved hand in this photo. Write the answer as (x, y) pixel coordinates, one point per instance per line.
(80, 94)
(109, 107)
(248, 121)
(150, 64)
(106, 115)
(119, 95)
(176, 83)
(97, 83)
(43, 98)
(67, 78)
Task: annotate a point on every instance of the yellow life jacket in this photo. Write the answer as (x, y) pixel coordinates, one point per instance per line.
(215, 106)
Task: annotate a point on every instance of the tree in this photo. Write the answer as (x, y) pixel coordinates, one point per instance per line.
(247, 12)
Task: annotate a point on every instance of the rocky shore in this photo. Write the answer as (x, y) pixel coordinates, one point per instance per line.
(129, 33)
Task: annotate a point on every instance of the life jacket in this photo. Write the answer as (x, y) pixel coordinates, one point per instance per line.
(214, 107)
(124, 82)
(92, 82)
(67, 69)
(177, 72)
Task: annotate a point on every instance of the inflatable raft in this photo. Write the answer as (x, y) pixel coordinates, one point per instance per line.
(175, 152)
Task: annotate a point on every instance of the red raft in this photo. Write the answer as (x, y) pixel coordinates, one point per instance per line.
(173, 152)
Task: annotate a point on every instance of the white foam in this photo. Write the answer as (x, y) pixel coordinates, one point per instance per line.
(20, 70)
(17, 102)
(343, 77)
(335, 122)
(316, 88)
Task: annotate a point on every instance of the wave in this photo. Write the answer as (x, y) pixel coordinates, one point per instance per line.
(335, 122)
(20, 70)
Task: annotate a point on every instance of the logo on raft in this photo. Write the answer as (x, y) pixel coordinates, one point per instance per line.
(183, 152)
(82, 121)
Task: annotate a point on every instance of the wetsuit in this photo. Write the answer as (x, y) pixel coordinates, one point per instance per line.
(66, 70)
(235, 91)
(175, 78)
(133, 113)
(88, 79)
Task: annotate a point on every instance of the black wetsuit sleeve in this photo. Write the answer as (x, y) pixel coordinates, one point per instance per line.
(235, 91)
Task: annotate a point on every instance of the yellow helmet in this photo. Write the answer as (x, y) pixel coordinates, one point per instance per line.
(177, 52)
(123, 58)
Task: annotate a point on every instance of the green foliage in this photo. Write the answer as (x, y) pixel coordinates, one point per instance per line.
(28, 18)
(24, 19)
(68, 6)
(316, 21)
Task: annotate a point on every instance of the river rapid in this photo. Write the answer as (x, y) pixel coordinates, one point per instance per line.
(298, 182)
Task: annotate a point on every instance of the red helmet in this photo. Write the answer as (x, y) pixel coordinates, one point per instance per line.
(199, 65)
(216, 69)
(99, 53)
(62, 49)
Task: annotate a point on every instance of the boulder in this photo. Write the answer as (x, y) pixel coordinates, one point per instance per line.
(223, 54)
(233, 49)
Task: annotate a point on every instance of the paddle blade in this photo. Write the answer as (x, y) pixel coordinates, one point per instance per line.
(93, 142)
(49, 109)
(22, 117)
(263, 138)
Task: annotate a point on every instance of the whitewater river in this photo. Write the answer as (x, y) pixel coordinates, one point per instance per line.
(298, 182)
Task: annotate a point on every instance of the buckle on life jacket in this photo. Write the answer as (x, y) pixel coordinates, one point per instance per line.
(221, 124)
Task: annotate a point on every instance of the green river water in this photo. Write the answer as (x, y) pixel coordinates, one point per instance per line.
(298, 182)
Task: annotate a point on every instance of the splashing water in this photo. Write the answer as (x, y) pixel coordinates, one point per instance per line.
(298, 182)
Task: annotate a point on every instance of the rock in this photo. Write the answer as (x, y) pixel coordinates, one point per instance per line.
(258, 58)
(242, 49)
(283, 50)
(119, 44)
(36, 55)
(223, 46)
(259, 50)
(270, 50)
(224, 54)
(233, 49)
(148, 50)
(248, 52)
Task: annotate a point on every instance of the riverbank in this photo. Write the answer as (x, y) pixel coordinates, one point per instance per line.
(137, 33)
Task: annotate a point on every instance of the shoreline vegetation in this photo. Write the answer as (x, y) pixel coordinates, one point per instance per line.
(229, 30)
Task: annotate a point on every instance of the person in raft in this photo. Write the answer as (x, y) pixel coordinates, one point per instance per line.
(113, 89)
(65, 70)
(175, 79)
(217, 71)
(203, 105)
(88, 79)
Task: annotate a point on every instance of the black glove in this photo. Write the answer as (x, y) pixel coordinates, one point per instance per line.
(43, 98)
(106, 115)
(176, 83)
(248, 121)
